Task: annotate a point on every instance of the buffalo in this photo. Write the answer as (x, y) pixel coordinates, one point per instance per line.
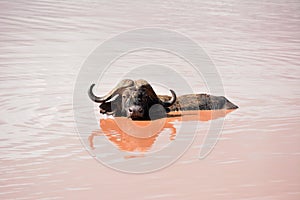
(138, 101)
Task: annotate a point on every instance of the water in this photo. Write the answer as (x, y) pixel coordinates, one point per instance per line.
(255, 47)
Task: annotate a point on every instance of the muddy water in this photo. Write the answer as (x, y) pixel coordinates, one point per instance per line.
(255, 47)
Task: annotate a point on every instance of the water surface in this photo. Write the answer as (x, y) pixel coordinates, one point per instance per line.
(255, 47)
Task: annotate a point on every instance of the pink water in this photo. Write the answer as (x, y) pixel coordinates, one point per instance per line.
(255, 47)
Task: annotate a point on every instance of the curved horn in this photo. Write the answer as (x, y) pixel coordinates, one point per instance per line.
(121, 85)
(94, 97)
(171, 101)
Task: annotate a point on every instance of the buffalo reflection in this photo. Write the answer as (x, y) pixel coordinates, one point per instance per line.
(139, 136)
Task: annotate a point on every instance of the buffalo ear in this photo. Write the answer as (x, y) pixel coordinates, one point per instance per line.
(105, 107)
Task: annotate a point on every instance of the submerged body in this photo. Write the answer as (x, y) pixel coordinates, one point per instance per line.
(199, 102)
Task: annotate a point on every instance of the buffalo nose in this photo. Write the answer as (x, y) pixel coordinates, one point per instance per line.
(135, 110)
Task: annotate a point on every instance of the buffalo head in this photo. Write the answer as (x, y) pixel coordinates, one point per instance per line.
(131, 99)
